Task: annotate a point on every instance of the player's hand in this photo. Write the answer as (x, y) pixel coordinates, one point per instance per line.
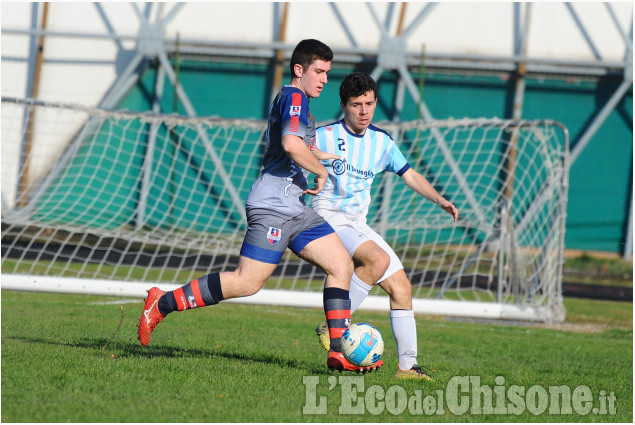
(320, 182)
(322, 156)
(448, 207)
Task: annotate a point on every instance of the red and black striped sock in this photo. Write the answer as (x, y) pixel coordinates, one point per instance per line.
(337, 307)
(198, 293)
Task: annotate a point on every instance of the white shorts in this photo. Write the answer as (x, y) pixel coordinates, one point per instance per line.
(354, 231)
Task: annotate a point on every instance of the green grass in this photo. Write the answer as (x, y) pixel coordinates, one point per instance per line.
(240, 363)
(598, 270)
(602, 313)
(594, 263)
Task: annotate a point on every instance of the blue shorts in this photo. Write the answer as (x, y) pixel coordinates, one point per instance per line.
(269, 234)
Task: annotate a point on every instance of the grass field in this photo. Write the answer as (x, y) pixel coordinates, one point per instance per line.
(239, 363)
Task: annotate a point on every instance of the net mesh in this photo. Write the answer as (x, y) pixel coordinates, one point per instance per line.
(126, 196)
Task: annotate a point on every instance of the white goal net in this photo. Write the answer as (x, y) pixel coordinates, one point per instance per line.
(99, 201)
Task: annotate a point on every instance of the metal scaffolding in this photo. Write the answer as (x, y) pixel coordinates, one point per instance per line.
(390, 54)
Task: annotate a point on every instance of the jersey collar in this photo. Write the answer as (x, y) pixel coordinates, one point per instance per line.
(350, 132)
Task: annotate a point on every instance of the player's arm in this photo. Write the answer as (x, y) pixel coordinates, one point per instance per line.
(322, 156)
(422, 186)
(298, 151)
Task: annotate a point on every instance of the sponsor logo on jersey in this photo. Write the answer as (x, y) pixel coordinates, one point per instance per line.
(295, 110)
(273, 235)
(341, 166)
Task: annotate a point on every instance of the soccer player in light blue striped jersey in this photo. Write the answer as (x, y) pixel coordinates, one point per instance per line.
(364, 151)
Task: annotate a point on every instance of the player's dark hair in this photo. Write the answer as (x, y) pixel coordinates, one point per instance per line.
(355, 85)
(307, 52)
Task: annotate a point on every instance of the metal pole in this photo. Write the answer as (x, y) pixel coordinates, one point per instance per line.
(402, 18)
(502, 249)
(177, 74)
(117, 91)
(238, 203)
(443, 147)
(583, 30)
(149, 156)
(399, 97)
(28, 143)
(420, 17)
(627, 251)
(388, 178)
(599, 119)
(279, 68)
(519, 96)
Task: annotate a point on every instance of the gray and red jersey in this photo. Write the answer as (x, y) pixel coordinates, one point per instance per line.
(277, 214)
(282, 182)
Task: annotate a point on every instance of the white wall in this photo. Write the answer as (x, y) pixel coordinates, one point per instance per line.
(451, 27)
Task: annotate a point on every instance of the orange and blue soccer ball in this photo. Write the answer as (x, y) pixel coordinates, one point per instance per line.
(362, 344)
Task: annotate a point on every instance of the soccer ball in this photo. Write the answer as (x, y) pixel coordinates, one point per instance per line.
(362, 344)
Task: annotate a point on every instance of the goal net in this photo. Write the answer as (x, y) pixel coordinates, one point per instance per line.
(113, 202)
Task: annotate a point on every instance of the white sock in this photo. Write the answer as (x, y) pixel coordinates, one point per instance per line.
(357, 292)
(405, 331)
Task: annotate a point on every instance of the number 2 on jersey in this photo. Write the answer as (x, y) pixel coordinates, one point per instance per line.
(342, 145)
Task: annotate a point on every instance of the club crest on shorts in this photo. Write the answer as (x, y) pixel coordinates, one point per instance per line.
(273, 235)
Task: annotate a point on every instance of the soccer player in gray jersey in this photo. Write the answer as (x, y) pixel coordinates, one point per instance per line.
(278, 217)
(363, 151)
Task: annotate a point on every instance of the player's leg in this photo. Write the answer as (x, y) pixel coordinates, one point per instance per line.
(404, 328)
(370, 262)
(399, 288)
(248, 278)
(319, 245)
(402, 319)
(369, 259)
(396, 283)
(315, 241)
(373, 258)
(260, 254)
(328, 253)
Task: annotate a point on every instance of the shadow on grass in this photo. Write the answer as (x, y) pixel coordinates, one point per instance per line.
(123, 349)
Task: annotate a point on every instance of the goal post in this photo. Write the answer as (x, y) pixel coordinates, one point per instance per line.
(113, 202)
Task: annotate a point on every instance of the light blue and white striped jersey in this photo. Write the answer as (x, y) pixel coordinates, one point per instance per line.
(362, 157)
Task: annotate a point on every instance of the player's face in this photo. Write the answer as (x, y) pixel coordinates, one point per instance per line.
(314, 78)
(359, 111)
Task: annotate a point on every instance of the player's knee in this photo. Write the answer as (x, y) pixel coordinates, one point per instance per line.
(253, 287)
(247, 285)
(383, 261)
(343, 270)
(348, 268)
(401, 292)
(377, 264)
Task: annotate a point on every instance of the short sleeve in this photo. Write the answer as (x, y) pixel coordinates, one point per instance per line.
(395, 160)
(294, 113)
